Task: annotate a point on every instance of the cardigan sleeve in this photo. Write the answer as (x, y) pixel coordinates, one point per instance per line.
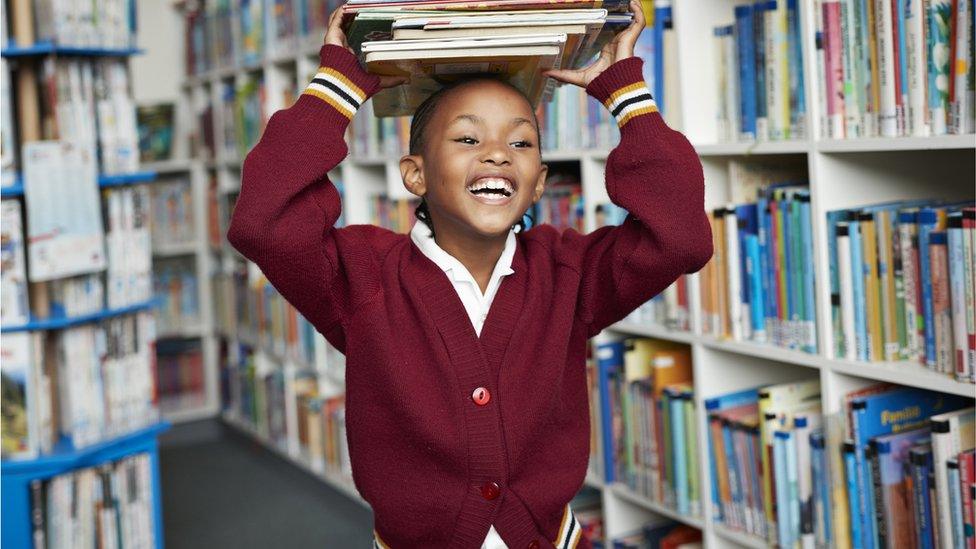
(284, 216)
(654, 174)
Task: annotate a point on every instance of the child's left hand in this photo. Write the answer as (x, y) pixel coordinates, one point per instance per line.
(621, 47)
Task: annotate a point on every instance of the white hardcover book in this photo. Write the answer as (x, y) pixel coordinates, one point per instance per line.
(957, 296)
(884, 38)
(952, 433)
(845, 276)
(851, 55)
(821, 76)
(733, 271)
(961, 70)
(777, 72)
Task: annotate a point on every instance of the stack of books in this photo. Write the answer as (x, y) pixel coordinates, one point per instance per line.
(436, 42)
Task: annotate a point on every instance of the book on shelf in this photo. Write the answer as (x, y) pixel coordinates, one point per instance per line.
(155, 125)
(760, 284)
(13, 273)
(659, 534)
(647, 426)
(105, 390)
(176, 286)
(172, 219)
(129, 245)
(64, 219)
(895, 69)
(8, 138)
(760, 80)
(180, 375)
(103, 24)
(109, 505)
(901, 274)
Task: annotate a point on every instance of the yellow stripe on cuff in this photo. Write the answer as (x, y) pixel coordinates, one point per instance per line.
(342, 78)
(613, 96)
(626, 117)
(325, 97)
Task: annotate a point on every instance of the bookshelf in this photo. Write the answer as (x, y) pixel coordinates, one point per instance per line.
(79, 352)
(840, 173)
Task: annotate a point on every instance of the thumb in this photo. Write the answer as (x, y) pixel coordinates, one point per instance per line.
(392, 81)
(567, 76)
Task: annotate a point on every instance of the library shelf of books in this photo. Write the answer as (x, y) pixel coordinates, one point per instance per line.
(78, 333)
(744, 371)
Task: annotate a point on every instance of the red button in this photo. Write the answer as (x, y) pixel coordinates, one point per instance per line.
(481, 396)
(533, 544)
(490, 490)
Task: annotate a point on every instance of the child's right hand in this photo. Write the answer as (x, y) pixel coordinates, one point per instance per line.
(335, 36)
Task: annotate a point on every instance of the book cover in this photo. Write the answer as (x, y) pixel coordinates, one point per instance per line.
(892, 452)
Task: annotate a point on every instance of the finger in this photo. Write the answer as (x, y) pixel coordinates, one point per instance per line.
(627, 38)
(567, 76)
(392, 81)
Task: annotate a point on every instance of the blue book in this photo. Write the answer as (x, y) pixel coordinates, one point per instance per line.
(902, 6)
(821, 489)
(679, 459)
(955, 503)
(759, 9)
(857, 265)
(717, 404)
(809, 318)
(787, 205)
(927, 223)
(793, 486)
(610, 363)
(892, 453)
(662, 21)
(736, 477)
(850, 474)
(745, 48)
(781, 484)
(923, 484)
(895, 409)
(765, 270)
(757, 305)
(798, 106)
(751, 434)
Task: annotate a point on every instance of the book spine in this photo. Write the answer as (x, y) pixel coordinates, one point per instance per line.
(845, 274)
(958, 539)
(886, 35)
(957, 281)
(961, 108)
(917, 62)
(734, 277)
(853, 88)
(834, 67)
(797, 91)
(857, 277)
(927, 221)
(869, 45)
(850, 473)
(940, 20)
(745, 41)
(872, 287)
(969, 253)
(780, 459)
(880, 511)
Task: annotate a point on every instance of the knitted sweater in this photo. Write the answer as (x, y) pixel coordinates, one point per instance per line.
(449, 433)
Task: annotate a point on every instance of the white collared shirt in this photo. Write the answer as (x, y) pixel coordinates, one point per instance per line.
(475, 303)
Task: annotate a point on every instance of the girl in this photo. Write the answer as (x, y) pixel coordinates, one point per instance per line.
(466, 397)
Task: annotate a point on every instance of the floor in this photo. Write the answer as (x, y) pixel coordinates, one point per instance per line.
(221, 489)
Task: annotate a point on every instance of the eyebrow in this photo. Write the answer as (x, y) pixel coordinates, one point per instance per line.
(475, 119)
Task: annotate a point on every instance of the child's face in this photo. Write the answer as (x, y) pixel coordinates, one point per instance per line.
(482, 134)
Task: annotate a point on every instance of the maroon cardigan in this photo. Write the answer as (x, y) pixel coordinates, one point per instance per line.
(450, 433)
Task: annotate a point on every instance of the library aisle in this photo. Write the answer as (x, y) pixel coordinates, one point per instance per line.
(811, 387)
(223, 489)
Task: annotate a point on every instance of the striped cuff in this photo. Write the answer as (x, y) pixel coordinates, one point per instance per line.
(621, 88)
(377, 542)
(570, 531)
(334, 88)
(630, 101)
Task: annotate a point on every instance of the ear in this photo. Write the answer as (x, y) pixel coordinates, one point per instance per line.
(412, 173)
(540, 184)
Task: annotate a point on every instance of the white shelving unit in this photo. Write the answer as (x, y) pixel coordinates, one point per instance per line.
(842, 173)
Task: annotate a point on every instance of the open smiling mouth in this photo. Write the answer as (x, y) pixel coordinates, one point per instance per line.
(492, 189)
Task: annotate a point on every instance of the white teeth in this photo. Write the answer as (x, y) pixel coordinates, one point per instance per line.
(493, 183)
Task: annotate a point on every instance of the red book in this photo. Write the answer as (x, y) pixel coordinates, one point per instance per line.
(967, 475)
(680, 536)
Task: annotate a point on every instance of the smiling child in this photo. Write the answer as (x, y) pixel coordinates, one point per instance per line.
(466, 396)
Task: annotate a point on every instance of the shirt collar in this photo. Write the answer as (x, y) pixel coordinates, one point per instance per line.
(420, 234)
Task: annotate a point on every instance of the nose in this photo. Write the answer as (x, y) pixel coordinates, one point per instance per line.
(496, 152)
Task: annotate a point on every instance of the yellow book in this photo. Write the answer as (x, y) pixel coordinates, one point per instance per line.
(775, 402)
(720, 287)
(872, 286)
(889, 301)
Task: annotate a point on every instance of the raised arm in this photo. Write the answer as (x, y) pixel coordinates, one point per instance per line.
(284, 216)
(654, 174)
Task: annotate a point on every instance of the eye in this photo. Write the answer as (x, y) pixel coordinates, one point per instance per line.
(523, 144)
(467, 140)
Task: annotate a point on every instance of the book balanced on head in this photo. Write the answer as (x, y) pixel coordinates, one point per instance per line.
(433, 43)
